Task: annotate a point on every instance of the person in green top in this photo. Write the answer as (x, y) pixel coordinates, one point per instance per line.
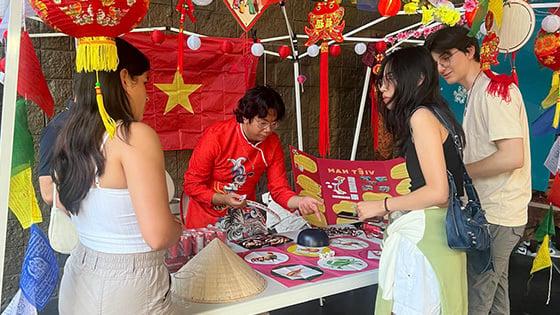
(419, 273)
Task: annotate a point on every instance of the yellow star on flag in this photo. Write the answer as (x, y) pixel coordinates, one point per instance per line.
(178, 93)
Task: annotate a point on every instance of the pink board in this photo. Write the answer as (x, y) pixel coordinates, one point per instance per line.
(342, 184)
(306, 269)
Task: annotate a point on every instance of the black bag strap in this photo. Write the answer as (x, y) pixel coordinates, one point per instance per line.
(469, 187)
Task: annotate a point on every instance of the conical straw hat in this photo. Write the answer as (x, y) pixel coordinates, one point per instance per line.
(217, 275)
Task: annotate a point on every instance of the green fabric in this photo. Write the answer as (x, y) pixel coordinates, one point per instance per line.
(450, 267)
(23, 152)
(546, 227)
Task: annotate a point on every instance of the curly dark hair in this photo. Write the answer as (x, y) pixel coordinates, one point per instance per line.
(258, 101)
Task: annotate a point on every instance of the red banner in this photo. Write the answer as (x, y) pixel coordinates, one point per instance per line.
(182, 105)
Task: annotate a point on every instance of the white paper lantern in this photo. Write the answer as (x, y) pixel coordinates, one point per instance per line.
(257, 49)
(193, 42)
(313, 51)
(202, 2)
(360, 48)
(551, 23)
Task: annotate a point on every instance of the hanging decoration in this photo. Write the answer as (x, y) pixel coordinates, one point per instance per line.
(158, 37)
(372, 58)
(507, 29)
(247, 12)
(489, 49)
(95, 23)
(444, 12)
(326, 20)
(389, 7)
(547, 51)
(423, 31)
(470, 7)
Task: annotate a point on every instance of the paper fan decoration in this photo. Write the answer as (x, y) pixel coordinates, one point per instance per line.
(217, 275)
(517, 26)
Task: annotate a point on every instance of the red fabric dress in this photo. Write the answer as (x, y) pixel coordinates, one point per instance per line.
(225, 161)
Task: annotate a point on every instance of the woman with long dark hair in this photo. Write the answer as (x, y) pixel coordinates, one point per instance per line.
(115, 190)
(419, 273)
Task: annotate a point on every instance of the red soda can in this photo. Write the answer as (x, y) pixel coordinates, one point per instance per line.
(187, 243)
(198, 242)
(173, 251)
(221, 235)
(209, 236)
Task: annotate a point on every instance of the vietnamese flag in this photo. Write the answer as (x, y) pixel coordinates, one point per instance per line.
(182, 105)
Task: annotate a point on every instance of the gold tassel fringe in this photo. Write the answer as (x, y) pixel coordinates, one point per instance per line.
(96, 54)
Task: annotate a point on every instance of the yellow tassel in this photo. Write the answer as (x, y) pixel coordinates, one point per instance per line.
(96, 54)
(108, 122)
(552, 97)
(556, 112)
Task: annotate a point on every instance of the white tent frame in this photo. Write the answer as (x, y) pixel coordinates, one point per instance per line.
(10, 94)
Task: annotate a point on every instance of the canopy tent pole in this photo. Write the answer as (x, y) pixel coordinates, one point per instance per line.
(293, 43)
(8, 121)
(360, 114)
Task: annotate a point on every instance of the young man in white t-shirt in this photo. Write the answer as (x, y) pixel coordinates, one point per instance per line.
(496, 156)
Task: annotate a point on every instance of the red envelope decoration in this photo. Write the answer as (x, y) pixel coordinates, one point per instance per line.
(247, 12)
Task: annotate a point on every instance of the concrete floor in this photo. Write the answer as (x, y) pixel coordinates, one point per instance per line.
(357, 302)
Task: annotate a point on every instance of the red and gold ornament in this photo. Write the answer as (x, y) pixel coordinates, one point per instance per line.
(326, 21)
(95, 23)
(547, 51)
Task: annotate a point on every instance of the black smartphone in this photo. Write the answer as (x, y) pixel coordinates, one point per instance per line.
(347, 215)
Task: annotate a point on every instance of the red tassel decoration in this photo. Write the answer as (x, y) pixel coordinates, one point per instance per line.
(324, 133)
(499, 83)
(374, 117)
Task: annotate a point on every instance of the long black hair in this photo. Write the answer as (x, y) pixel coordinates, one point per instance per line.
(77, 152)
(414, 75)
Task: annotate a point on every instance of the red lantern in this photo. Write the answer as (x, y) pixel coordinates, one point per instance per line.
(389, 7)
(547, 51)
(227, 47)
(381, 47)
(284, 51)
(94, 23)
(335, 50)
(158, 37)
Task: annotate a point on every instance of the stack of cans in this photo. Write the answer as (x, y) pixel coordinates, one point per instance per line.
(192, 241)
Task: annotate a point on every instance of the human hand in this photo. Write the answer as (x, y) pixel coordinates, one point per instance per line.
(233, 200)
(370, 209)
(308, 205)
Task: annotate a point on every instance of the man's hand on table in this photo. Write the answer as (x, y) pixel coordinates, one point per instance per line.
(232, 200)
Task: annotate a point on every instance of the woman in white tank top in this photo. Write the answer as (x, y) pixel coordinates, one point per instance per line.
(115, 190)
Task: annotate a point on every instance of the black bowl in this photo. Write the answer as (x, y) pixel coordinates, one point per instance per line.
(313, 238)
